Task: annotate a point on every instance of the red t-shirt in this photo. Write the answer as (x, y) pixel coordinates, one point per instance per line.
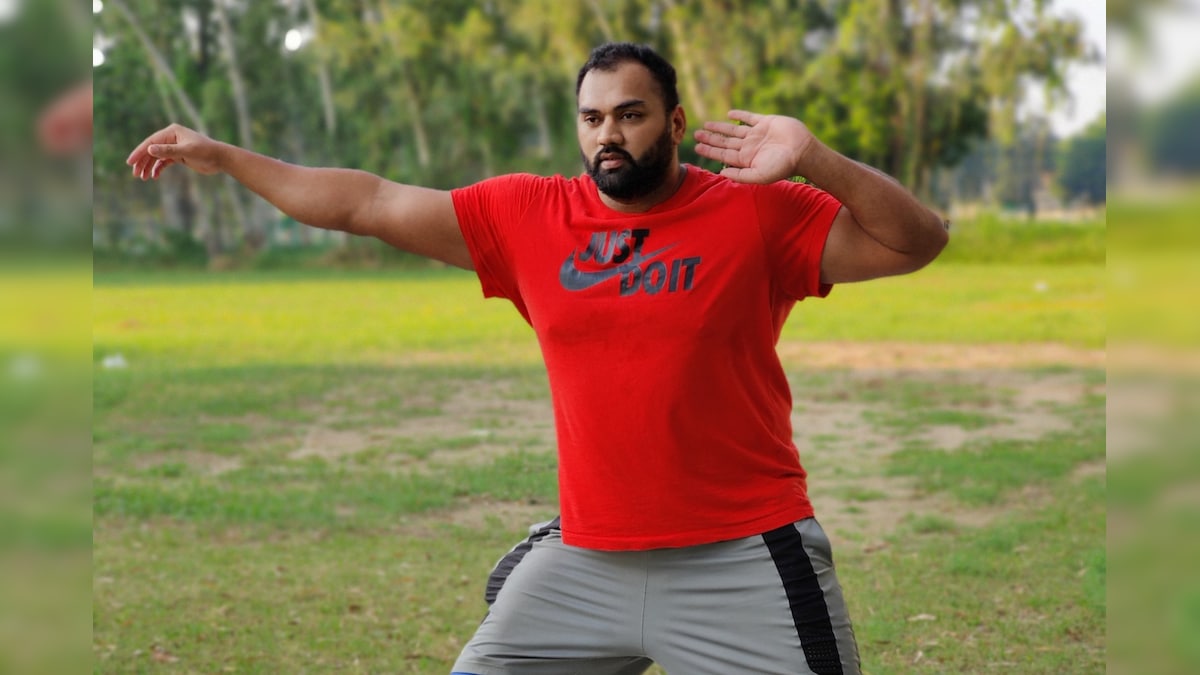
(658, 329)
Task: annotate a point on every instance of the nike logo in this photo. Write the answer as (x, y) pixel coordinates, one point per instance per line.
(574, 279)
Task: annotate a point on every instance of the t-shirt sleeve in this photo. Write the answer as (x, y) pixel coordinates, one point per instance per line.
(489, 213)
(795, 220)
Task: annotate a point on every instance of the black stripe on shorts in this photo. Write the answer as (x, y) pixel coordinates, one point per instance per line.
(506, 564)
(807, 601)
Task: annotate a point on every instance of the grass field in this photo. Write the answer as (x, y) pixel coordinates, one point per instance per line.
(314, 471)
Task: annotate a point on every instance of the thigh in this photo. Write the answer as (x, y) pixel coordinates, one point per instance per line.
(560, 610)
(766, 604)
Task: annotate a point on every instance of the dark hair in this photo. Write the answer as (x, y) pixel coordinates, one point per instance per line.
(608, 56)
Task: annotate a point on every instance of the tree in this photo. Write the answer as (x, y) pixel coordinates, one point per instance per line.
(446, 92)
(904, 85)
(1020, 164)
(1171, 135)
(1081, 163)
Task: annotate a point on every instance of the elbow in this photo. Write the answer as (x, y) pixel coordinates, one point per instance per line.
(940, 235)
(363, 213)
(937, 236)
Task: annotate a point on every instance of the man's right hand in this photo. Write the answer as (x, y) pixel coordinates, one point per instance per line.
(175, 143)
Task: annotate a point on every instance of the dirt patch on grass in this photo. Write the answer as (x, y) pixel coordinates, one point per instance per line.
(488, 513)
(860, 404)
(204, 463)
(845, 443)
(478, 514)
(330, 444)
(464, 422)
(917, 356)
(1090, 470)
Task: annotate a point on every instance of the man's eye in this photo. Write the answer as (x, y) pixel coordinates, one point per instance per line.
(591, 119)
(630, 116)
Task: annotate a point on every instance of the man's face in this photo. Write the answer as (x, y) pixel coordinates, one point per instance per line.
(626, 137)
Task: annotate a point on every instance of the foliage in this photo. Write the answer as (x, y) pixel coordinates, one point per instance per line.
(42, 55)
(1022, 163)
(1172, 135)
(446, 92)
(1082, 164)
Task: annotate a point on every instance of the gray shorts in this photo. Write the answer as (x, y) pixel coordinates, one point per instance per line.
(764, 604)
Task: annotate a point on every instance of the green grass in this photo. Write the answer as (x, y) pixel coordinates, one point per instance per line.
(908, 422)
(218, 546)
(963, 304)
(263, 599)
(1025, 595)
(990, 238)
(438, 317)
(986, 472)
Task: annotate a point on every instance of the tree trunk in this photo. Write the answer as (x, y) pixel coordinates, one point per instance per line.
(323, 78)
(411, 96)
(254, 223)
(159, 64)
(416, 119)
(922, 63)
(241, 103)
(181, 204)
(605, 27)
(545, 146)
(687, 63)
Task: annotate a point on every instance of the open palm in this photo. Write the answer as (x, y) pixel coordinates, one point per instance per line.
(764, 149)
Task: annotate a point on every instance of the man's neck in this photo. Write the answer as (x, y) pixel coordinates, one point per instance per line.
(664, 192)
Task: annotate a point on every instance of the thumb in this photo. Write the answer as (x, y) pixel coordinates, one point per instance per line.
(165, 151)
(738, 174)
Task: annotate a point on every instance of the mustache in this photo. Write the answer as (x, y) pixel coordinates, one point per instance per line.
(613, 150)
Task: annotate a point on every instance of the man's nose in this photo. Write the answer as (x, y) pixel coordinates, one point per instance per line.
(610, 133)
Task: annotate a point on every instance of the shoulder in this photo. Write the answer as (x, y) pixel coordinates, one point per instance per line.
(791, 196)
(514, 181)
(522, 186)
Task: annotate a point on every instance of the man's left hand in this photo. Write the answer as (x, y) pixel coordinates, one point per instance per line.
(764, 149)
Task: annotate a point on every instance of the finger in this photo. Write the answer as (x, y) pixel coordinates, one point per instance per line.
(718, 140)
(746, 116)
(147, 168)
(157, 169)
(722, 155)
(727, 129)
(140, 150)
(732, 172)
(164, 135)
(741, 175)
(164, 151)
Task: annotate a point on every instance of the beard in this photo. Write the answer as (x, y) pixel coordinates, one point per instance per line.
(635, 178)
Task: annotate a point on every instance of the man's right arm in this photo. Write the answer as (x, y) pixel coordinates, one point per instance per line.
(415, 219)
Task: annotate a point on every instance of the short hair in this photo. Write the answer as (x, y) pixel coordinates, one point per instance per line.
(608, 56)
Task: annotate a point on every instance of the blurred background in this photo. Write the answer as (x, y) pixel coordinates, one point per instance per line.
(45, 392)
(984, 105)
(1153, 360)
(996, 108)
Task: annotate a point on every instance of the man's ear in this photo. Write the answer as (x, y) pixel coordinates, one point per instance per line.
(678, 124)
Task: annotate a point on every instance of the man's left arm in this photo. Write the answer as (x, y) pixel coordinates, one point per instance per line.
(882, 229)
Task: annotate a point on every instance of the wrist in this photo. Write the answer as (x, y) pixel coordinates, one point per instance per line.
(222, 156)
(812, 159)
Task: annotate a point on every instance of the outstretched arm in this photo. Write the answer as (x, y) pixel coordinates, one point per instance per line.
(65, 127)
(415, 219)
(881, 231)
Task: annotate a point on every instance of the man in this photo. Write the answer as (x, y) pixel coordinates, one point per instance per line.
(657, 292)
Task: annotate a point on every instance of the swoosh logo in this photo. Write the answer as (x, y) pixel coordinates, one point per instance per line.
(574, 279)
